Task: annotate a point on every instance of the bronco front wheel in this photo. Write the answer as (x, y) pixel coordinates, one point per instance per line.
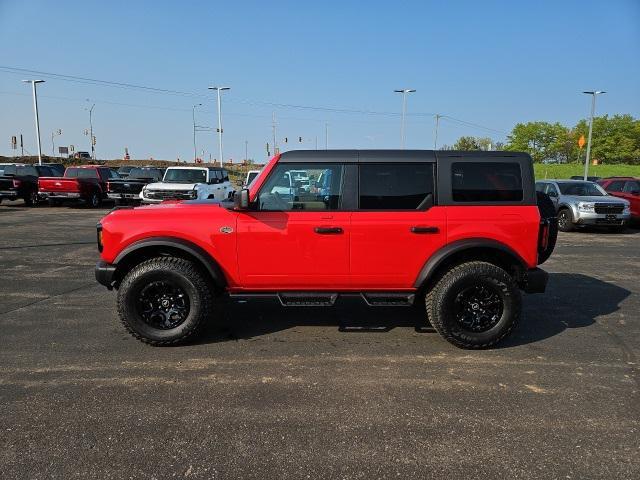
(164, 301)
(474, 305)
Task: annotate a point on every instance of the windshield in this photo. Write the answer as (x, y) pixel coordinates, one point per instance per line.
(185, 176)
(153, 173)
(581, 189)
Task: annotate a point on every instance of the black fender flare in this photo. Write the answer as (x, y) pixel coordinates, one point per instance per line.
(441, 255)
(207, 261)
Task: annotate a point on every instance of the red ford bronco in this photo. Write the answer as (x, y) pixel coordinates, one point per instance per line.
(460, 233)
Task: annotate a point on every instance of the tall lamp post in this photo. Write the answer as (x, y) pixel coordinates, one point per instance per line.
(195, 150)
(35, 108)
(593, 109)
(220, 89)
(54, 134)
(404, 92)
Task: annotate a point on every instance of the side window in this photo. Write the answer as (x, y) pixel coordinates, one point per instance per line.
(551, 190)
(486, 182)
(615, 186)
(320, 188)
(632, 186)
(225, 175)
(389, 186)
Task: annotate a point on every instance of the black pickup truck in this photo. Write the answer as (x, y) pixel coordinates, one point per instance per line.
(127, 190)
(21, 181)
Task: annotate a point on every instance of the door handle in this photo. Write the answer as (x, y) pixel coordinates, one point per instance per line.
(328, 230)
(424, 229)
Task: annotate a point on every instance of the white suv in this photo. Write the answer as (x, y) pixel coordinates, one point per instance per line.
(189, 183)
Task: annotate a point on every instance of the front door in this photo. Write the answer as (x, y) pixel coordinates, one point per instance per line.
(295, 237)
(396, 227)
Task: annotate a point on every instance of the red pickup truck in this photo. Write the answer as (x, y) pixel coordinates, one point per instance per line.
(460, 233)
(627, 188)
(87, 183)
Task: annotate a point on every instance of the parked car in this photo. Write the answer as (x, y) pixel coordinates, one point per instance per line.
(87, 184)
(124, 170)
(82, 156)
(57, 168)
(378, 232)
(251, 176)
(127, 190)
(188, 183)
(627, 188)
(581, 203)
(21, 182)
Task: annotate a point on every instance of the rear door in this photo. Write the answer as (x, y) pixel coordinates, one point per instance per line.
(298, 240)
(397, 225)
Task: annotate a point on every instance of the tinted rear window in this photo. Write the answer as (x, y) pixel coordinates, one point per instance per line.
(486, 182)
(154, 173)
(386, 186)
(81, 173)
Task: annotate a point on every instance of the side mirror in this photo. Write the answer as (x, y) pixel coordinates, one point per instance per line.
(552, 194)
(242, 199)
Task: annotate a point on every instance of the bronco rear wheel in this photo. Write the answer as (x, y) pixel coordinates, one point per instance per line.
(164, 301)
(474, 305)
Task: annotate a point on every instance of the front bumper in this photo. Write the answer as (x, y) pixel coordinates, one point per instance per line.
(535, 281)
(104, 274)
(586, 218)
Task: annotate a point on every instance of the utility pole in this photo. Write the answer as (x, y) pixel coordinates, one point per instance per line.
(593, 109)
(93, 147)
(273, 128)
(35, 108)
(326, 135)
(220, 89)
(404, 92)
(195, 149)
(435, 138)
(21, 146)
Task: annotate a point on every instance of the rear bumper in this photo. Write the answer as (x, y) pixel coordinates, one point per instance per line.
(104, 274)
(61, 195)
(535, 281)
(11, 194)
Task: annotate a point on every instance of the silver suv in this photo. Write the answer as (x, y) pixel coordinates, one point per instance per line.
(585, 203)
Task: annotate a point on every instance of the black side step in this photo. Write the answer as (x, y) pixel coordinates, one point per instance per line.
(307, 299)
(390, 299)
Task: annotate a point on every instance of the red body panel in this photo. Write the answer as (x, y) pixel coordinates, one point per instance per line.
(385, 254)
(73, 184)
(514, 226)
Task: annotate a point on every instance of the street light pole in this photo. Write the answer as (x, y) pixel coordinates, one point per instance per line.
(35, 108)
(404, 92)
(220, 89)
(54, 134)
(593, 109)
(195, 150)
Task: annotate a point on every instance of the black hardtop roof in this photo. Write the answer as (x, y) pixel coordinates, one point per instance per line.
(368, 156)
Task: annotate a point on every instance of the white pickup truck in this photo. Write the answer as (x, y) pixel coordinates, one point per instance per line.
(189, 183)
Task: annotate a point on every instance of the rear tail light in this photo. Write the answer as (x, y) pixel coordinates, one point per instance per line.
(16, 183)
(108, 186)
(99, 236)
(544, 241)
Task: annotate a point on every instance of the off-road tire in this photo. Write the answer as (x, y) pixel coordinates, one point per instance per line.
(440, 304)
(565, 224)
(548, 214)
(184, 273)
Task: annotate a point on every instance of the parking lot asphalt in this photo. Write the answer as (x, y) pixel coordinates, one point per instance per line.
(347, 392)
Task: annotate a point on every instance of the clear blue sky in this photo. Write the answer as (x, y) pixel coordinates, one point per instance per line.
(493, 63)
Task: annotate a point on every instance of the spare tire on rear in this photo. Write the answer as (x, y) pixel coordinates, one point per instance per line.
(549, 220)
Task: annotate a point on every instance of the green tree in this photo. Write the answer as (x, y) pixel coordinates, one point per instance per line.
(614, 139)
(473, 143)
(541, 140)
